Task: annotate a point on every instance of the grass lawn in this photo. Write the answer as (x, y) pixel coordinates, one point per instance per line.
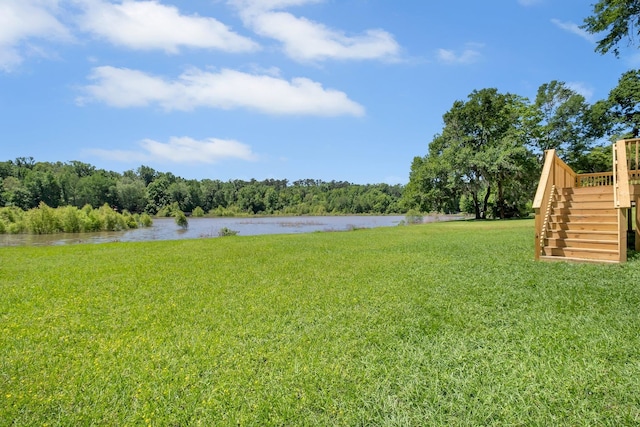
(436, 324)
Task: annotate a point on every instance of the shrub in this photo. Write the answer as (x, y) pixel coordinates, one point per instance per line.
(93, 222)
(231, 211)
(129, 220)
(70, 219)
(224, 232)
(112, 221)
(11, 214)
(145, 220)
(181, 219)
(414, 217)
(198, 212)
(43, 220)
(17, 227)
(165, 212)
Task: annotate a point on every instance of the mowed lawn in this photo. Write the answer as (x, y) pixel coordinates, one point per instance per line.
(436, 324)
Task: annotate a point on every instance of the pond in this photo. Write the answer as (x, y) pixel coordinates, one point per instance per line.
(166, 229)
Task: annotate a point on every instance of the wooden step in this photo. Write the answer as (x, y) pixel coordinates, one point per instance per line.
(579, 211)
(582, 253)
(584, 234)
(569, 259)
(584, 217)
(584, 226)
(583, 243)
(583, 204)
(591, 191)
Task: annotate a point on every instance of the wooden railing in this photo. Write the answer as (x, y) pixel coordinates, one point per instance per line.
(555, 174)
(632, 151)
(598, 179)
(625, 152)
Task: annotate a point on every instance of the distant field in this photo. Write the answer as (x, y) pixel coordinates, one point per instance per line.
(436, 324)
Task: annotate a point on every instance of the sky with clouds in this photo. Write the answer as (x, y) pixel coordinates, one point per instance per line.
(347, 90)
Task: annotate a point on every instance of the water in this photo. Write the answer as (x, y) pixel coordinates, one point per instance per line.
(166, 229)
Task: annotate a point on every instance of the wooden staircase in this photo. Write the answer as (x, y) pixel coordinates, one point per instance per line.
(586, 217)
(582, 226)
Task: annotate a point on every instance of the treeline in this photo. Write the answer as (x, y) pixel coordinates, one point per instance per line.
(25, 184)
(488, 157)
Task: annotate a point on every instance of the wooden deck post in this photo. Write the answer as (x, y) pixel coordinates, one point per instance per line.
(622, 235)
(637, 224)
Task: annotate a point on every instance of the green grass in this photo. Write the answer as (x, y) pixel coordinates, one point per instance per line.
(437, 324)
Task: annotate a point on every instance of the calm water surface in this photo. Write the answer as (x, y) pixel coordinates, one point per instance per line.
(166, 229)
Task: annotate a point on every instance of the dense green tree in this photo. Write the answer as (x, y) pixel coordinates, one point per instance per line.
(132, 194)
(147, 174)
(179, 193)
(251, 198)
(618, 19)
(81, 169)
(27, 183)
(560, 120)
(597, 160)
(212, 195)
(43, 188)
(96, 190)
(624, 105)
(433, 186)
(7, 169)
(480, 151)
(16, 194)
(158, 195)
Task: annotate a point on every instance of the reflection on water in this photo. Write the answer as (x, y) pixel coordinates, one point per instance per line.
(166, 229)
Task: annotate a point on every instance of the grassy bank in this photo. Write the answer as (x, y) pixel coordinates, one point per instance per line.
(438, 324)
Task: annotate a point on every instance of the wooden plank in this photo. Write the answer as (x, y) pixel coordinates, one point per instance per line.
(584, 244)
(582, 260)
(624, 199)
(545, 180)
(592, 254)
(585, 226)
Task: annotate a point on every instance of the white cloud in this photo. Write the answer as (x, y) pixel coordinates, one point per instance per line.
(182, 150)
(469, 55)
(581, 88)
(574, 29)
(529, 2)
(265, 5)
(307, 41)
(22, 21)
(227, 89)
(149, 25)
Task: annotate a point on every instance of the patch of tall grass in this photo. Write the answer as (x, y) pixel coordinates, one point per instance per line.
(68, 219)
(436, 324)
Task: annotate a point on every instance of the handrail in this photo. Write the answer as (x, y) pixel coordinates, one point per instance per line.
(555, 174)
(545, 224)
(621, 165)
(545, 178)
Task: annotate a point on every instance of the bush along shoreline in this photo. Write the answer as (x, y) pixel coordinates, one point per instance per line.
(68, 219)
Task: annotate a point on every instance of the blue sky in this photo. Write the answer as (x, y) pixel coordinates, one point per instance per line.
(347, 90)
